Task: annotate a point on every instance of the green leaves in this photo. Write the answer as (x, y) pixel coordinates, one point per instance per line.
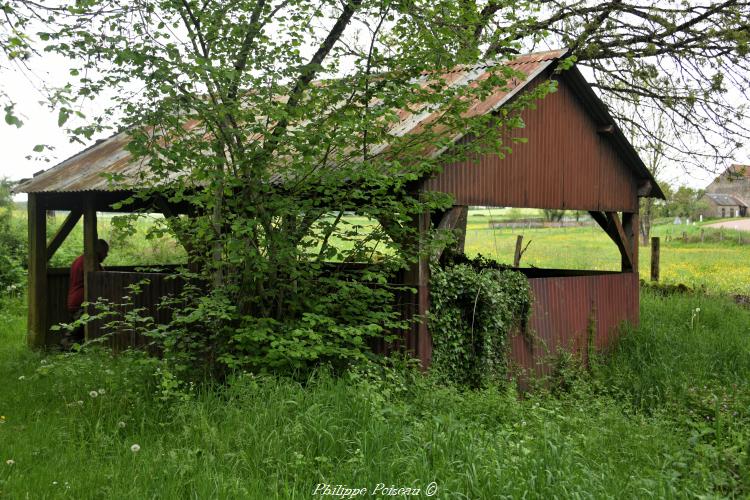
(474, 308)
(62, 116)
(11, 118)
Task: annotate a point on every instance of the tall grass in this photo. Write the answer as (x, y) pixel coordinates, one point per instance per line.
(665, 416)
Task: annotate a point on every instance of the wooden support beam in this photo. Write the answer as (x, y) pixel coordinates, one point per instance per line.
(36, 335)
(418, 276)
(623, 242)
(62, 233)
(610, 223)
(90, 263)
(454, 219)
(630, 227)
(90, 236)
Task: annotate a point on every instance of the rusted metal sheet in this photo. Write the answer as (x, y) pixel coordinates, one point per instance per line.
(566, 163)
(566, 310)
(87, 170)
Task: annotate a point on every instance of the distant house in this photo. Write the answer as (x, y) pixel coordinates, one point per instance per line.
(725, 205)
(729, 194)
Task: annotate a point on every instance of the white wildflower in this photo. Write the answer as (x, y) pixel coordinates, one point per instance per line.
(93, 394)
(135, 448)
(102, 391)
(10, 462)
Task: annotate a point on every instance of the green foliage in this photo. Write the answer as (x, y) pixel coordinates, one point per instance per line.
(473, 310)
(269, 149)
(674, 423)
(683, 202)
(12, 243)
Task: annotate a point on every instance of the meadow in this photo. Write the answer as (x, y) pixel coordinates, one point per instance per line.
(665, 415)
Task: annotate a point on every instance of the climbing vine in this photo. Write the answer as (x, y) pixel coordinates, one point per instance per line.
(475, 304)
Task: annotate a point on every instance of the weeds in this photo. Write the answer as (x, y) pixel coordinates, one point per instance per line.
(666, 415)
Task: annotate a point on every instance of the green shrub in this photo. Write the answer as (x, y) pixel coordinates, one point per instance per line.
(473, 311)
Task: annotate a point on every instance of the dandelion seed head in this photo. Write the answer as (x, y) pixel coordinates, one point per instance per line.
(121, 424)
(93, 394)
(80, 403)
(22, 377)
(135, 448)
(10, 462)
(102, 391)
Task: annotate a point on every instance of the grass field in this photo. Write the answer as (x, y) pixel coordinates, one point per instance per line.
(713, 265)
(666, 415)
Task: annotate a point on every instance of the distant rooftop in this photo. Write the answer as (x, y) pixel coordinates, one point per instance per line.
(726, 200)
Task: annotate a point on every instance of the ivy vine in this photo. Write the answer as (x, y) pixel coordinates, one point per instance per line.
(475, 304)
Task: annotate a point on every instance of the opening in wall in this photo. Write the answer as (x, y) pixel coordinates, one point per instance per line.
(551, 239)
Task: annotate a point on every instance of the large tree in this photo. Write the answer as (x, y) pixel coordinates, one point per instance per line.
(275, 117)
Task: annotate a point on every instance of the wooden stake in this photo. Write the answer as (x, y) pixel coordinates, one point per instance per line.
(655, 251)
(702, 234)
(684, 237)
(517, 255)
(36, 335)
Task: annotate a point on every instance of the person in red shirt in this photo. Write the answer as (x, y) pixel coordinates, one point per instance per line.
(75, 291)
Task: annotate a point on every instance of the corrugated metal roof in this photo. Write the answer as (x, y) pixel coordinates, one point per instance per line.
(726, 200)
(88, 170)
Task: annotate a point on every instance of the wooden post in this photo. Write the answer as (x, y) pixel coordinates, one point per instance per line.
(630, 228)
(36, 335)
(517, 254)
(655, 250)
(460, 229)
(453, 219)
(89, 249)
(684, 236)
(703, 235)
(418, 276)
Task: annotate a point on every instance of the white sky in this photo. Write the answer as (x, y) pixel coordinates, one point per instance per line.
(40, 126)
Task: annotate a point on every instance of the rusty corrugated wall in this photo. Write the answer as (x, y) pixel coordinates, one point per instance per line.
(566, 309)
(566, 164)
